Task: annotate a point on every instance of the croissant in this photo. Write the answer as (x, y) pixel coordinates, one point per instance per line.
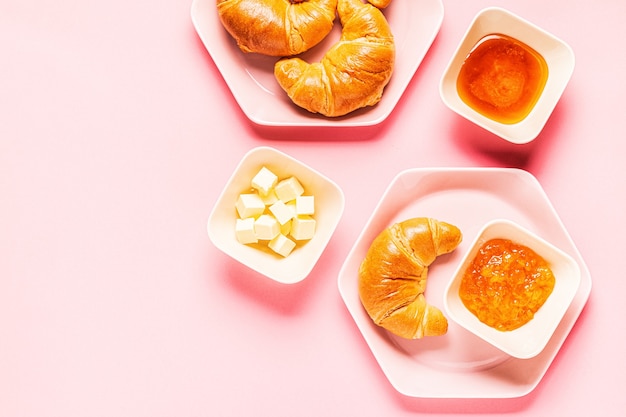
(381, 4)
(392, 277)
(277, 27)
(352, 74)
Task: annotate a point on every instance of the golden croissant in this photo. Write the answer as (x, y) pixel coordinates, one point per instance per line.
(392, 277)
(352, 74)
(277, 27)
(381, 4)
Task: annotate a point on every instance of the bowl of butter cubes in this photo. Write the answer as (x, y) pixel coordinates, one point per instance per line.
(276, 215)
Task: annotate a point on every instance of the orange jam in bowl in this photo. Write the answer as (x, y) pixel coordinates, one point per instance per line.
(502, 78)
(506, 284)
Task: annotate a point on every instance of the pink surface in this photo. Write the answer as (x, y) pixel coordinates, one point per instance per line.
(117, 134)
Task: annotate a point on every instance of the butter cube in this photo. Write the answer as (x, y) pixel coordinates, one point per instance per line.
(288, 189)
(282, 245)
(305, 205)
(266, 227)
(270, 198)
(264, 181)
(285, 229)
(249, 205)
(282, 213)
(245, 231)
(303, 227)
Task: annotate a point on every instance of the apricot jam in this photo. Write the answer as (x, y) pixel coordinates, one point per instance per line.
(502, 78)
(506, 284)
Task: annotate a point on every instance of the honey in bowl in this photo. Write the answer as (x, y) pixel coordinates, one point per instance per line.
(506, 284)
(502, 78)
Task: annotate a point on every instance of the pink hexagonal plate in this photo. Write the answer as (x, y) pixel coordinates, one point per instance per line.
(459, 364)
(250, 77)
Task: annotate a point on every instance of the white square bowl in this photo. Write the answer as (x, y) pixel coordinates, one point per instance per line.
(530, 339)
(329, 206)
(558, 56)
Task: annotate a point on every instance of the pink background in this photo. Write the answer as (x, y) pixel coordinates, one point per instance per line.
(117, 134)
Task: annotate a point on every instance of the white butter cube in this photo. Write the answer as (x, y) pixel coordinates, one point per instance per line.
(282, 245)
(244, 230)
(285, 229)
(270, 198)
(266, 227)
(249, 205)
(264, 181)
(303, 227)
(305, 205)
(288, 189)
(282, 213)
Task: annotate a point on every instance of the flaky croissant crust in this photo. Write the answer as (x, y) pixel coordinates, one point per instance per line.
(392, 277)
(381, 4)
(277, 27)
(352, 74)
